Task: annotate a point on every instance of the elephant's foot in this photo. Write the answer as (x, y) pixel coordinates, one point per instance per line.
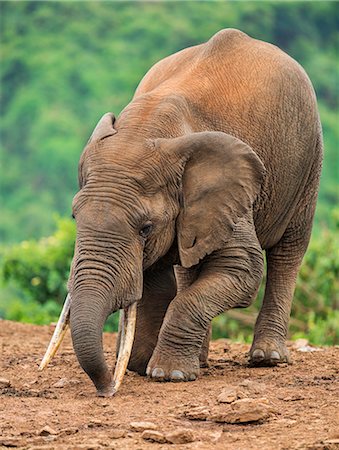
(268, 353)
(138, 364)
(141, 354)
(163, 367)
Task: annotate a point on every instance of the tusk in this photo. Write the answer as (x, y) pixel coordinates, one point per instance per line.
(121, 331)
(127, 324)
(58, 335)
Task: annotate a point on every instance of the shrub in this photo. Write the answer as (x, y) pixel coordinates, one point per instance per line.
(40, 268)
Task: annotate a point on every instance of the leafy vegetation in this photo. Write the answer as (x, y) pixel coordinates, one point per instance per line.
(66, 63)
(63, 64)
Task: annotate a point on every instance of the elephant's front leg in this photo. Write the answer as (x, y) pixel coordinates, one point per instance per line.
(159, 290)
(228, 278)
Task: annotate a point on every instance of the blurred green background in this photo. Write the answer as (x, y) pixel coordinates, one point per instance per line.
(64, 64)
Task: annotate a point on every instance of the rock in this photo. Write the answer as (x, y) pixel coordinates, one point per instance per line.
(154, 436)
(68, 431)
(197, 413)
(212, 436)
(252, 386)
(4, 383)
(243, 411)
(61, 383)
(308, 348)
(230, 394)
(227, 395)
(95, 423)
(180, 436)
(142, 426)
(117, 434)
(300, 343)
(47, 431)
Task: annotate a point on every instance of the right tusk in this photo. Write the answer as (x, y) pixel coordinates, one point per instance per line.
(127, 324)
(121, 331)
(58, 335)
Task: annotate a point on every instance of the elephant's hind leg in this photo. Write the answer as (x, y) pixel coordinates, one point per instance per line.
(283, 263)
(269, 347)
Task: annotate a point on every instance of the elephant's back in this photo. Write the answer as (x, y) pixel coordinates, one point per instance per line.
(256, 92)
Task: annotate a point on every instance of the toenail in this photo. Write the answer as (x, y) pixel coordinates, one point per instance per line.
(158, 373)
(192, 377)
(275, 355)
(258, 354)
(177, 375)
(148, 371)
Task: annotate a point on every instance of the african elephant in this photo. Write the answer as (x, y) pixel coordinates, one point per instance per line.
(216, 158)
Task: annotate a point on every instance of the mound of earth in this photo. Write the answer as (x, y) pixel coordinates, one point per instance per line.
(231, 406)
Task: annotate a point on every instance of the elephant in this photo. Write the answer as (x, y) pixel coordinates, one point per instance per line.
(213, 165)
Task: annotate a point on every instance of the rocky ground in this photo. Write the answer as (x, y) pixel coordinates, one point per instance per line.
(231, 406)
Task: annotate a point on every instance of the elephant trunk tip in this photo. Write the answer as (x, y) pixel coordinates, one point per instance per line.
(107, 391)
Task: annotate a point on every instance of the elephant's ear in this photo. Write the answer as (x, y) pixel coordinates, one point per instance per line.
(221, 179)
(104, 128)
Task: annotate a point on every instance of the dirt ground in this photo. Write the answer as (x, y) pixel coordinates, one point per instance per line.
(58, 409)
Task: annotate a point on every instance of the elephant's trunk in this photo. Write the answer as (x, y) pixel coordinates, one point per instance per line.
(87, 317)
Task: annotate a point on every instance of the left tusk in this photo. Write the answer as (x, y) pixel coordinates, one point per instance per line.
(58, 335)
(127, 329)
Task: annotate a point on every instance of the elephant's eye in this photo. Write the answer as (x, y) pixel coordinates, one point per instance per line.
(146, 230)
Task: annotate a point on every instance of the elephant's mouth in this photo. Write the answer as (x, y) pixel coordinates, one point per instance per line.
(126, 328)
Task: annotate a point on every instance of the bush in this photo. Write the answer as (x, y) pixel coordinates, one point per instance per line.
(36, 272)
(40, 268)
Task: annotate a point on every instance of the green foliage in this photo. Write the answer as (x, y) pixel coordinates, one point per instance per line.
(40, 268)
(63, 64)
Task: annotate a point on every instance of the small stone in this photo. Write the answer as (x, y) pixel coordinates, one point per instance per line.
(153, 436)
(142, 426)
(308, 348)
(197, 413)
(100, 401)
(243, 411)
(47, 431)
(229, 395)
(180, 436)
(117, 434)
(95, 423)
(212, 436)
(61, 383)
(4, 383)
(68, 431)
(252, 386)
(299, 343)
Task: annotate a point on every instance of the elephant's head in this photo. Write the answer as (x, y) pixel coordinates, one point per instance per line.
(134, 200)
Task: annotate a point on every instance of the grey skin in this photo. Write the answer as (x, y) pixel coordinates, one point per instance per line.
(216, 158)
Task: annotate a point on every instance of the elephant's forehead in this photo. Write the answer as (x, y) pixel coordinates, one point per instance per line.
(103, 215)
(107, 203)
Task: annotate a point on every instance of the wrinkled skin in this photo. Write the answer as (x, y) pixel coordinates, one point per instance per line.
(216, 158)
